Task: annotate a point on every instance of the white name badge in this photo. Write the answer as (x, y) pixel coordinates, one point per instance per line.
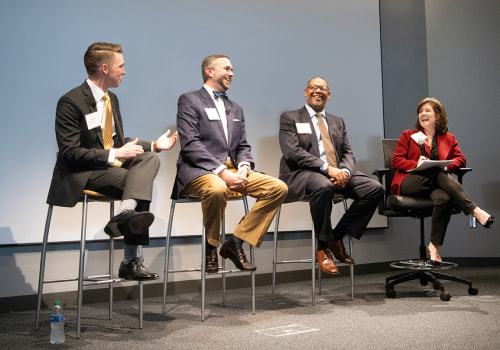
(303, 128)
(419, 137)
(212, 114)
(93, 120)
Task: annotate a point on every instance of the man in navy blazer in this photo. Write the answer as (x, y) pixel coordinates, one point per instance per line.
(305, 170)
(122, 168)
(215, 159)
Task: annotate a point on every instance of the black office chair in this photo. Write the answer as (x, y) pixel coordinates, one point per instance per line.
(406, 206)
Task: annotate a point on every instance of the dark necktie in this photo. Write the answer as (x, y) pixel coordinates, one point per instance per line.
(331, 158)
(222, 94)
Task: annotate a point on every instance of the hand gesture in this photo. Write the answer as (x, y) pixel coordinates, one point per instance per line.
(129, 150)
(164, 142)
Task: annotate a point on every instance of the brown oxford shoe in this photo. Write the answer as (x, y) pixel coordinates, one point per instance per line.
(326, 263)
(339, 252)
(212, 265)
(239, 259)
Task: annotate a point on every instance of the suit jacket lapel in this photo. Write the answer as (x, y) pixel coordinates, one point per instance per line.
(91, 103)
(304, 117)
(230, 121)
(208, 102)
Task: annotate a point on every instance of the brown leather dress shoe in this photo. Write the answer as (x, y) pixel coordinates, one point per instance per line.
(326, 263)
(339, 252)
(212, 265)
(239, 259)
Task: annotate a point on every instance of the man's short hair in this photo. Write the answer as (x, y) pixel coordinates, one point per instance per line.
(99, 53)
(208, 62)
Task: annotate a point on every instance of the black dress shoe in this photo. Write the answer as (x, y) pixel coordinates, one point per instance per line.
(130, 222)
(212, 263)
(489, 222)
(239, 259)
(135, 270)
(434, 263)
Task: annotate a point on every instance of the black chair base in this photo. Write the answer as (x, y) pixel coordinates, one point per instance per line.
(425, 273)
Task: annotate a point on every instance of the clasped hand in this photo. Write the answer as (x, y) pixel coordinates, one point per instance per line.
(338, 177)
(235, 180)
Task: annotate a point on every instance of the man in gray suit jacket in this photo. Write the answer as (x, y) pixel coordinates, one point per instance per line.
(216, 159)
(95, 155)
(307, 172)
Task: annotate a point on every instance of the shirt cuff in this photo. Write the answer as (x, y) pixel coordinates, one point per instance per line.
(245, 164)
(219, 169)
(324, 168)
(111, 157)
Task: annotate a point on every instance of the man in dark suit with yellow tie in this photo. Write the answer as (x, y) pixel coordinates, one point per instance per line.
(216, 159)
(318, 161)
(95, 155)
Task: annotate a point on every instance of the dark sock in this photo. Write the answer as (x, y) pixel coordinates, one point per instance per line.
(210, 247)
(235, 243)
(322, 245)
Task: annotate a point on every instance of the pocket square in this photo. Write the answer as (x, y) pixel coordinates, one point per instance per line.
(236, 120)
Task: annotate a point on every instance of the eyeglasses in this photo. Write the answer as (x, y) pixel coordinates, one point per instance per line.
(316, 87)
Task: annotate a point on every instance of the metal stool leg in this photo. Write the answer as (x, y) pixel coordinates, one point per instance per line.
(275, 250)
(167, 255)
(223, 239)
(42, 266)
(313, 268)
(111, 252)
(82, 263)
(351, 267)
(203, 269)
(141, 291)
(252, 260)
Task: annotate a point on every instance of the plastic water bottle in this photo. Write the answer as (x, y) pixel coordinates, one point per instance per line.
(57, 324)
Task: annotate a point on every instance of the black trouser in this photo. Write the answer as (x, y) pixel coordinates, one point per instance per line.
(444, 191)
(366, 193)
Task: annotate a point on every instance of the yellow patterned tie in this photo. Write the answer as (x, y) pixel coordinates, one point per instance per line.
(331, 158)
(107, 131)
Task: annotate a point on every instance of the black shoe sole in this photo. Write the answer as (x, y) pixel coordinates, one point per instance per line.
(131, 278)
(138, 224)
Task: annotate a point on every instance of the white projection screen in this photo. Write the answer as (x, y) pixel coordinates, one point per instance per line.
(275, 47)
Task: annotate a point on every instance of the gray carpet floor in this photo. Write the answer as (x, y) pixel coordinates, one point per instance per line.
(415, 319)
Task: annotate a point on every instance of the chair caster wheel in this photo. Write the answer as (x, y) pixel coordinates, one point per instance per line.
(445, 296)
(390, 293)
(423, 282)
(473, 291)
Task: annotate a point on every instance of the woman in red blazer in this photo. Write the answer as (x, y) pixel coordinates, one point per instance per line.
(431, 140)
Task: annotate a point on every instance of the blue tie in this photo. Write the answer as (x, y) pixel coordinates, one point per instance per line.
(222, 94)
